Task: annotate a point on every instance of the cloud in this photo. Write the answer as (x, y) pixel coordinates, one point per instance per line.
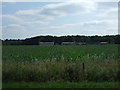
(47, 13)
(102, 27)
(13, 31)
(0, 32)
(96, 27)
(59, 0)
(52, 11)
(107, 10)
(32, 22)
(68, 8)
(13, 26)
(27, 12)
(10, 19)
(111, 12)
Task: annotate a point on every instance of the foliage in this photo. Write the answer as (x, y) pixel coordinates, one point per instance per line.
(112, 39)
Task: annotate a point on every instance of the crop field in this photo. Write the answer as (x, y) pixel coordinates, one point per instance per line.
(58, 53)
(60, 63)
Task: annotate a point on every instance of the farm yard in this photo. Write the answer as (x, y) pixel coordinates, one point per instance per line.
(61, 66)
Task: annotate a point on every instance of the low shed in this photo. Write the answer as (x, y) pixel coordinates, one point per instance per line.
(46, 43)
(68, 43)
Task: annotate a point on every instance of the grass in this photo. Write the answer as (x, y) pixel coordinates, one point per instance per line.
(71, 65)
(66, 71)
(61, 85)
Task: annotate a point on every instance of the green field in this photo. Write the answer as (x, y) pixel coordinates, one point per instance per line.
(58, 53)
(69, 63)
(62, 85)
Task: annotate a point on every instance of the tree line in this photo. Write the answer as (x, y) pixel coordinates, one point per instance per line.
(111, 39)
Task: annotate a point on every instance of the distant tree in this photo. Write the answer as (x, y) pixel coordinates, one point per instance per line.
(58, 40)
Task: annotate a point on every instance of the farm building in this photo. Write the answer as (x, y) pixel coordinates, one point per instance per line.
(62, 43)
(103, 43)
(68, 43)
(81, 43)
(46, 43)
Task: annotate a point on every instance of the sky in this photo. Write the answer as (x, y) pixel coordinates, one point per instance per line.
(22, 20)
